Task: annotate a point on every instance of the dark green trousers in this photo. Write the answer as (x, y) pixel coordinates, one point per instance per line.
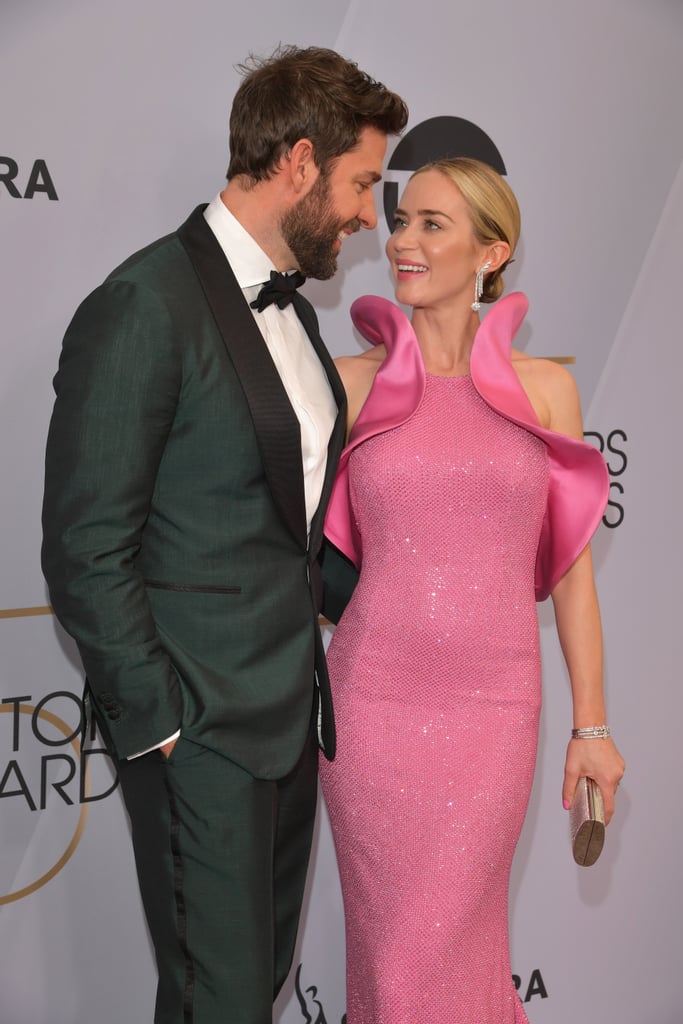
(221, 860)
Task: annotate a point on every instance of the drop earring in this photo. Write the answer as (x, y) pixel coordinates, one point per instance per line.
(479, 286)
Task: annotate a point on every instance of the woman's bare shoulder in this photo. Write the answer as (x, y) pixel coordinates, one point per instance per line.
(363, 361)
(359, 371)
(552, 391)
(358, 375)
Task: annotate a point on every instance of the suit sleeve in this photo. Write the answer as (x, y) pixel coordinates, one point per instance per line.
(117, 390)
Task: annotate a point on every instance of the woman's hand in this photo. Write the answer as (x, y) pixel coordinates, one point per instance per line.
(597, 759)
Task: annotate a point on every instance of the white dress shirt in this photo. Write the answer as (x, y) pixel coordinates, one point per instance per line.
(300, 370)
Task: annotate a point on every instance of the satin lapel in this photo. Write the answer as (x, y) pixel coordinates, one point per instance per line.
(275, 423)
(306, 314)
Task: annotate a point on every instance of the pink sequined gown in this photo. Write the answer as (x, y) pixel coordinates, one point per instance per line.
(436, 682)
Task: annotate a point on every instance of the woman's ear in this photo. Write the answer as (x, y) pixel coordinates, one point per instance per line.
(497, 254)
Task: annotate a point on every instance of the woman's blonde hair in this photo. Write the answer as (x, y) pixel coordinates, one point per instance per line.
(492, 207)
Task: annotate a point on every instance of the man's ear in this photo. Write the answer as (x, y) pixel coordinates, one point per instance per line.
(301, 166)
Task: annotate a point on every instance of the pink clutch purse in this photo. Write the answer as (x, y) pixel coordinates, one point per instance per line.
(587, 822)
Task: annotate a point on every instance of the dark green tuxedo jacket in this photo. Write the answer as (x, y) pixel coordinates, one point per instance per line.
(175, 543)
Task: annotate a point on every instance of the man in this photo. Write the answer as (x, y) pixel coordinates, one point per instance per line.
(190, 458)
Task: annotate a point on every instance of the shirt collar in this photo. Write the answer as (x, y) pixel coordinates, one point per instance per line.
(249, 263)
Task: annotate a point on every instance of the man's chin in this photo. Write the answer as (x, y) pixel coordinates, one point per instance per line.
(322, 270)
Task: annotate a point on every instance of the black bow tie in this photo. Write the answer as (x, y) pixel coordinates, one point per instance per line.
(280, 289)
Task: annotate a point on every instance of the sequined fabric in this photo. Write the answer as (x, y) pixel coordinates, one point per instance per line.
(436, 681)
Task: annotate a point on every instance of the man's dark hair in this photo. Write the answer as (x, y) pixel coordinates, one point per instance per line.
(310, 93)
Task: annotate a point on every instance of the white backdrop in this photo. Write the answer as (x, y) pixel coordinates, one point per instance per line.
(113, 125)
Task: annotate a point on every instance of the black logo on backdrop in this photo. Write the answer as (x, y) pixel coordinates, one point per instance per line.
(313, 1012)
(59, 775)
(611, 446)
(23, 184)
(436, 139)
(311, 1007)
(534, 987)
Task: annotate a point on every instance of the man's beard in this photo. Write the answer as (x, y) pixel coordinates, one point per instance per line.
(310, 229)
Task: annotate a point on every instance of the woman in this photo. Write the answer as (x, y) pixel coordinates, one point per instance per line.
(452, 497)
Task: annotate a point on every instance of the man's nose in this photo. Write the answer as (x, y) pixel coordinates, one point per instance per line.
(368, 213)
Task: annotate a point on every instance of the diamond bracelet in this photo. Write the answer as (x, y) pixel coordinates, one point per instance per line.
(591, 732)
